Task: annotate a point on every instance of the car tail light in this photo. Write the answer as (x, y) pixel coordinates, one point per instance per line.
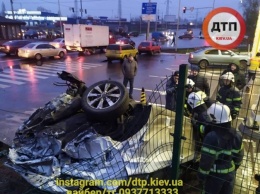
(191, 56)
(8, 47)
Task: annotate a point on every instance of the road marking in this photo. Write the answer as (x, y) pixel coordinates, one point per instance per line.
(18, 78)
(25, 73)
(4, 86)
(32, 73)
(12, 81)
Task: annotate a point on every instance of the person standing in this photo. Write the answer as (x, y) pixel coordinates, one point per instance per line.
(229, 95)
(252, 69)
(171, 87)
(129, 69)
(201, 82)
(240, 80)
(221, 153)
(173, 39)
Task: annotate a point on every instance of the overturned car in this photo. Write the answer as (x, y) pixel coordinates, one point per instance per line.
(95, 137)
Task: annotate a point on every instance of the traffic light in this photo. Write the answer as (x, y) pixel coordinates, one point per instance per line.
(184, 9)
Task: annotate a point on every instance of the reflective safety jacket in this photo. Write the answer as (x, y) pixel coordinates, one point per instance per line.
(221, 152)
(230, 96)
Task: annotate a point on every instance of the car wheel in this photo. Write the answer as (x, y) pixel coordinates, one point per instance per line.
(93, 51)
(159, 51)
(38, 56)
(109, 59)
(152, 53)
(105, 100)
(203, 64)
(16, 52)
(242, 65)
(122, 60)
(136, 56)
(61, 54)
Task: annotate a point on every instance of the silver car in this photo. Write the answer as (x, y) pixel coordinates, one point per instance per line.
(58, 43)
(38, 50)
(212, 56)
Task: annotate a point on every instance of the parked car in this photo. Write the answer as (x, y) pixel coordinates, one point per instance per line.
(31, 34)
(38, 50)
(133, 33)
(58, 43)
(159, 36)
(120, 52)
(12, 46)
(125, 41)
(211, 56)
(150, 47)
(186, 36)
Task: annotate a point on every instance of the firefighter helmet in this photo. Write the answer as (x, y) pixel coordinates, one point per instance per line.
(229, 76)
(219, 113)
(195, 99)
(190, 83)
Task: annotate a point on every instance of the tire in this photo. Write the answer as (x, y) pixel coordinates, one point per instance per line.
(136, 56)
(159, 51)
(105, 100)
(122, 60)
(152, 52)
(109, 59)
(16, 52)
(93, 51)
(61, 55)
(203, 64)
(38, 56)
(242, 65)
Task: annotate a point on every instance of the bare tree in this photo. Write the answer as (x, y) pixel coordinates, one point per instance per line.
(250, 12)
(2, 13)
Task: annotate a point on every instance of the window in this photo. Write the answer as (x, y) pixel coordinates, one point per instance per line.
(211, 52)
(223, 52)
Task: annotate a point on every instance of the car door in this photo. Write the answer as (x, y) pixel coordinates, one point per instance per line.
(226, 57)
(212, 56)
(52, 51)
(43, 49)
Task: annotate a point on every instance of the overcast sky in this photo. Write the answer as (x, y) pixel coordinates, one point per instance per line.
(130, 8)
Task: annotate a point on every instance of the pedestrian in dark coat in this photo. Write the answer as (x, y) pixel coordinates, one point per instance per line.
(221, 153)
(229, 95)
(240, 80)
(200, 81)
(129, 69)
(171, 88)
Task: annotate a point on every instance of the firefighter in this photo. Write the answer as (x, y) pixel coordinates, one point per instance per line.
(221, 152)
(190, 87)
(229, 95)
(199, 119)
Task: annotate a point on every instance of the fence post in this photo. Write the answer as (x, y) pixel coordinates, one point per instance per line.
(177, 136)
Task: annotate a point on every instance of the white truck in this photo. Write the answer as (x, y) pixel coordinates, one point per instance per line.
(86, 38)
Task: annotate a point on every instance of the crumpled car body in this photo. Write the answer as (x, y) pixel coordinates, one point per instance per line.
(77, 148)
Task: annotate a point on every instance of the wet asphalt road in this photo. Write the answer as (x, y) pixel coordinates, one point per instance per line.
(26, 85)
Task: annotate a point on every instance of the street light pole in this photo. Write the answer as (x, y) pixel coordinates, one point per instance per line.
(148, 27)
(61, 28)
(213, 4)
(178, 23)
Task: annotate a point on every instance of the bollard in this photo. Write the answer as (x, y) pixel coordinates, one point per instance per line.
(143, 97)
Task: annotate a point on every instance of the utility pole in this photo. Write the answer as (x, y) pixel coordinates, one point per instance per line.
(148, 27)
(178, 23)
(81, 10)
(61, 28)
(119, 11)
(12, 7)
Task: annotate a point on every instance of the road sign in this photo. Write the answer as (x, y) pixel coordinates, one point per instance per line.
(224, 28)
(149, 8)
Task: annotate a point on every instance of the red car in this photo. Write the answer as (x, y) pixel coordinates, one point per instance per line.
(150, 47)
